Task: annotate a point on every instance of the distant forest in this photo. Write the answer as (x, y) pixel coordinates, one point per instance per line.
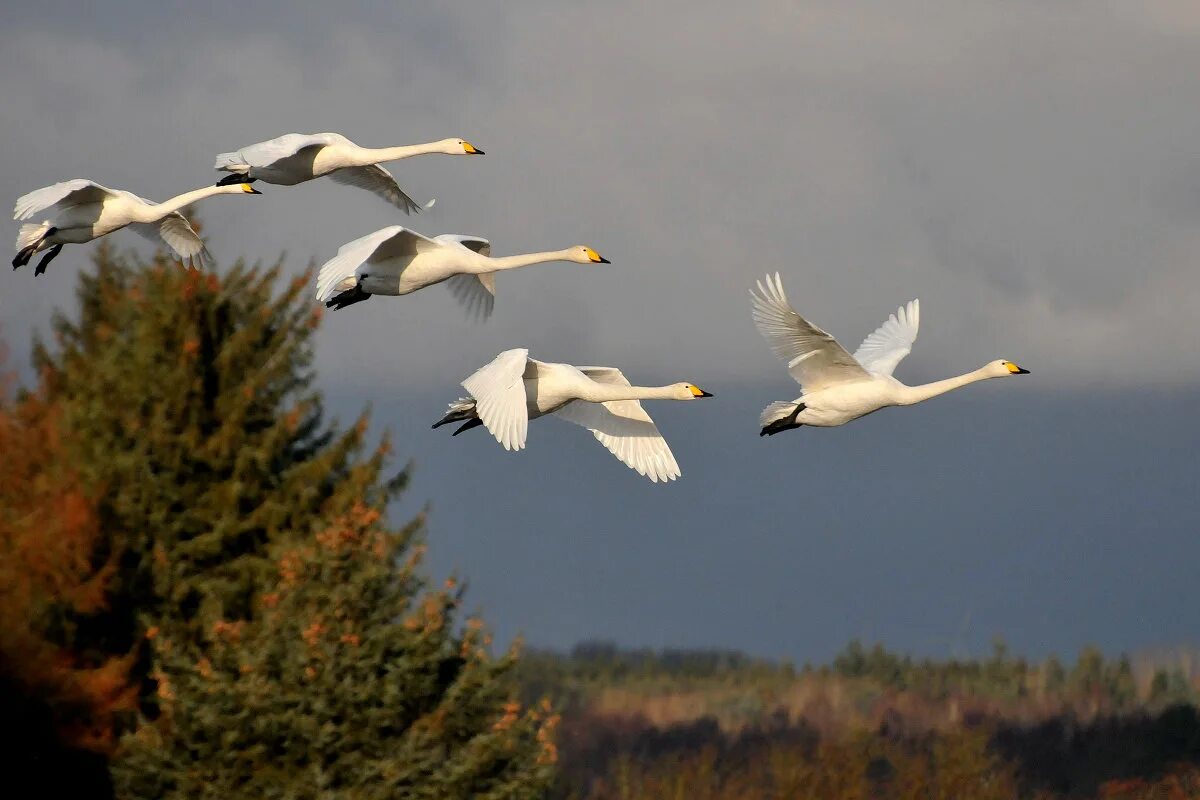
(715, 724)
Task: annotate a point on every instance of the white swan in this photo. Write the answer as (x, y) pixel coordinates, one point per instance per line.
(837, 387)
(85, 210)
(396, 260)
(515, 388)
(298, 157)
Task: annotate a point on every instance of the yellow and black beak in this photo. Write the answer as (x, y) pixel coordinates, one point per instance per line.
(1015, 370)
(698, 392)
(595, 257)
(472, 149)
(248, 189)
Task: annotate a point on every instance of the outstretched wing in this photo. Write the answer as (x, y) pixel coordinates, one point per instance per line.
(481, 246)
(814, 358)
(175, 231)
(264, 154)
(341, 272)
(891, 342)
(76, 192)
(499, 392)
(624, 428)
(475, 293)
(379, 182)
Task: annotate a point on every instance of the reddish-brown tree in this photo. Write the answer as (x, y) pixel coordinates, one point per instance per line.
(57, 708)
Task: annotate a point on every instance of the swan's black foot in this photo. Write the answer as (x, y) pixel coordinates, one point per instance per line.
(23, 256)
(348, 298)
(785, 424)
(453, 416)
(46, 259)
(471, 423)
(230, 180)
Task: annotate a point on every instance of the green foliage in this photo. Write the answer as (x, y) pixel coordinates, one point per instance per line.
(286, 645)
(188, 406)
(349, 684)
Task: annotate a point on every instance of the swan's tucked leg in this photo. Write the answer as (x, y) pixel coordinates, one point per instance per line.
(785, 423)
(22, 257)
(34, 237)
(46, 259)
(461, 409)
(471, 423)
(348, 298)
(236, 177)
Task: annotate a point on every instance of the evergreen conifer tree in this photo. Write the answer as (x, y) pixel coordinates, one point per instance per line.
(186, 401)
(287, 646)
(351, 682)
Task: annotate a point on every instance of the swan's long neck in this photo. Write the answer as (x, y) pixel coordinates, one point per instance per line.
(917, 394)
(489, 264)
(603, 392)
(153, 212)
(362, 156)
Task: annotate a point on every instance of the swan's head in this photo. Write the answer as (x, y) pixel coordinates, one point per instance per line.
(1003, 368)
(689, 391)
(585, 255)
(459, 147)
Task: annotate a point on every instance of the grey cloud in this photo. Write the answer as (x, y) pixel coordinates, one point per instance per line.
(1028, 169)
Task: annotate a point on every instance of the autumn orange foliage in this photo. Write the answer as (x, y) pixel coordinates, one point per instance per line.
(51, 575)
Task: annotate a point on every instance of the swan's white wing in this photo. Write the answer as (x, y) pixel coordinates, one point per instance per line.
(179, 236)
(475, 293)
(499, 392)
(66, 194)
(341, 272)
(624, 428)
(814, 358)
(481, 246)
(891, 342)
(264, 154)
(379, 182)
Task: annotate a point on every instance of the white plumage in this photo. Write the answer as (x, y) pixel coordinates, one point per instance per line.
(514, 389)
(398, 261)
(298, 157)
(85, 210)
(837, 387)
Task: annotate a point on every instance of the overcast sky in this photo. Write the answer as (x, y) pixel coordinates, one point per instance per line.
(1030, 170)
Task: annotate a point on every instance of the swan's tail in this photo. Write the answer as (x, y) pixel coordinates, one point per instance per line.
(31, 234)
(460, 410)
(779, 416)
(232, 162)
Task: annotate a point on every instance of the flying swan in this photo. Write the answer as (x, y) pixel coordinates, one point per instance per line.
(85, 210)
(515, 388)
(396, 260)
(298, 157)
(837, 387)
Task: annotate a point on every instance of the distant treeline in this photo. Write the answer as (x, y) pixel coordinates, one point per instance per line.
(874, 723)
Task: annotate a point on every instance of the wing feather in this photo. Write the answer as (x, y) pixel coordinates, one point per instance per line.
(379, 182)
(79, 191)
(499, 392)
(175, 231)
(264, 154)
(815, 359)
(475, 293)
(624, 428)
(341, 272)
(891, 342)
